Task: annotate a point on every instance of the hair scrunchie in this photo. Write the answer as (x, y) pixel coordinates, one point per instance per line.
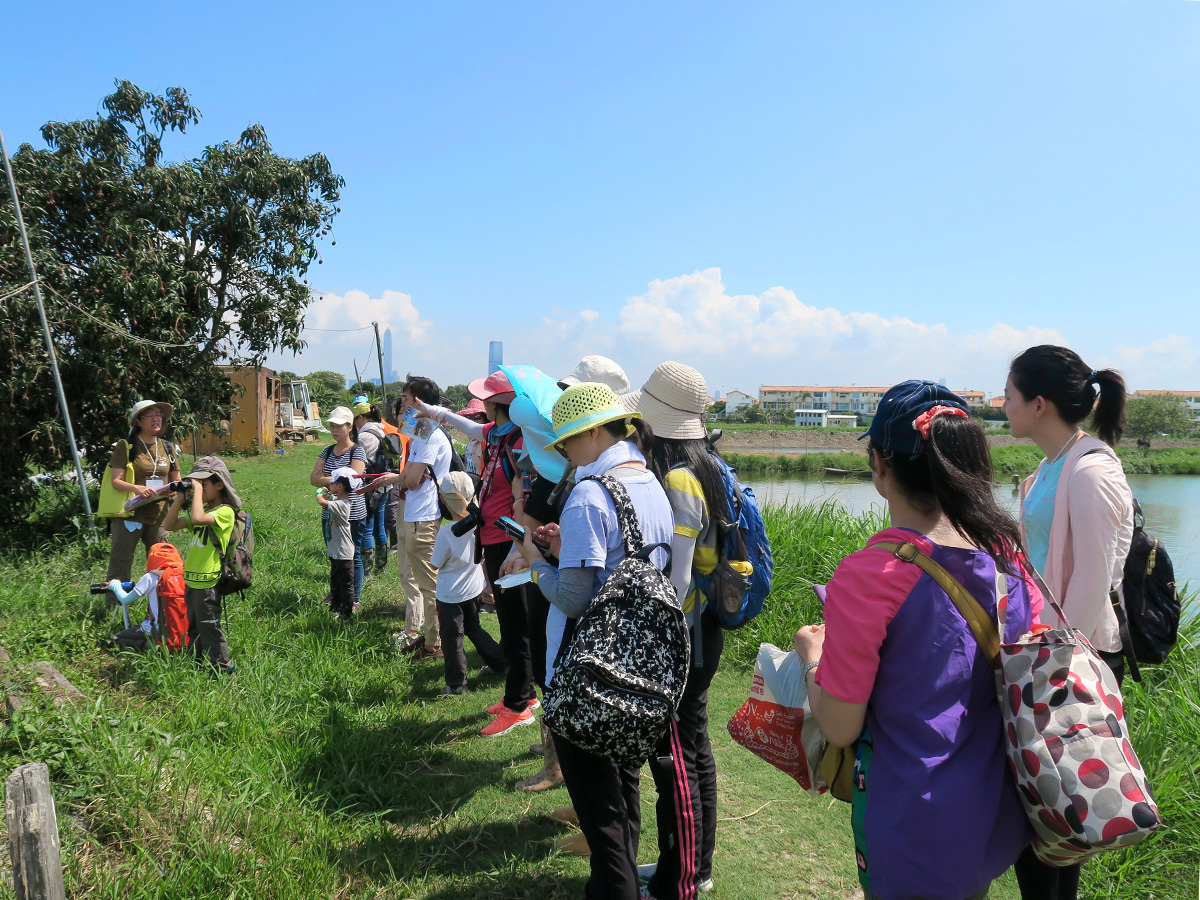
(922, 423)
(1093, 377)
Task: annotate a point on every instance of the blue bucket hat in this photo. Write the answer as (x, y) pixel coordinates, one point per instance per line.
(901, 423)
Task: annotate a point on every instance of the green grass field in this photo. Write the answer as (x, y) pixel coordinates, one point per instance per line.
(325, 768)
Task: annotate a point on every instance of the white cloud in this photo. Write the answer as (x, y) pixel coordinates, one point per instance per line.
(357, 309)
(775, 337)
(736, 340)
(338, 332)
(1169, 363)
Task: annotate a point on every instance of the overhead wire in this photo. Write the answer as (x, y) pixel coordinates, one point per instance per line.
(16, 291)
(117, 329)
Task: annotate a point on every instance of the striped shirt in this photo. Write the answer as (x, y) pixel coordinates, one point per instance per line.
(358, 503)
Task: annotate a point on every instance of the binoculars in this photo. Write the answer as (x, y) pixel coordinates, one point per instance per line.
(103, 587)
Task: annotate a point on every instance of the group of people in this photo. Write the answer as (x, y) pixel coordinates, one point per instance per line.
(141, 466)
(894, 667)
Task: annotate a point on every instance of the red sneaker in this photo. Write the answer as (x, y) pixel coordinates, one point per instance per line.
(506, 720)
(494, 709)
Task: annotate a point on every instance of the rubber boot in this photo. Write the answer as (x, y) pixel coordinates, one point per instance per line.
(551, 775)
(368, 554)
(381, 558)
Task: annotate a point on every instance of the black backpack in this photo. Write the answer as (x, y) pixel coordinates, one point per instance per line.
(457, 464)
(381, 462)
(617, 683)
(1152, 604)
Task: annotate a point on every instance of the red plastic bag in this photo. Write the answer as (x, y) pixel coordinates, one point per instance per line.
(776, 723)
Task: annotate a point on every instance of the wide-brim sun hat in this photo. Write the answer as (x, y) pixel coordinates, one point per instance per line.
(474, 408)
(672, 402)
(341, 415)
(598, 369)
(214, 467)
(142, 405)
(585, 406)
(496, 387)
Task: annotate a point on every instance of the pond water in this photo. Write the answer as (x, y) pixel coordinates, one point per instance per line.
(1171, 504)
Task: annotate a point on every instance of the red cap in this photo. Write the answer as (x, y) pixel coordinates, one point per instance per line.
(474, 408)
(495, 387)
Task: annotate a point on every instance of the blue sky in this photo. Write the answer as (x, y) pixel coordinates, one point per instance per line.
(771, 192)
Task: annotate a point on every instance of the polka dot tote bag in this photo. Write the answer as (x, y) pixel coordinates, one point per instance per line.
(1068, 746)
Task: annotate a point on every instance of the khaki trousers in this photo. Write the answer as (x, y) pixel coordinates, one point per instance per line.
(417, 539)
(414, 611)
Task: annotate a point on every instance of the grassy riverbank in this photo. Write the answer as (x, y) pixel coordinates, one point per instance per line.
(1006, 461)
(326, 768)
(796, 463)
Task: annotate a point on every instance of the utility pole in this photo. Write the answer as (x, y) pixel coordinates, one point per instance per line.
(379, 353)
(357, 377)
(62, 397)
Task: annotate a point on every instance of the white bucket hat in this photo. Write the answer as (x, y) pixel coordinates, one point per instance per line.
(601, 370)
(672, 402)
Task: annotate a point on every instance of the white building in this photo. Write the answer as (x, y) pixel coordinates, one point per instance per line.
(735, 400)
(823, 418)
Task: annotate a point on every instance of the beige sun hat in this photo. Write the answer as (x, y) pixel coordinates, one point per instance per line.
(458, 491)
(341, 415)
(672, 402)
(142, 405)
(599, 369)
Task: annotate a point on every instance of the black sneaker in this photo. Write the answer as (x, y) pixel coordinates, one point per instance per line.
(448, 691)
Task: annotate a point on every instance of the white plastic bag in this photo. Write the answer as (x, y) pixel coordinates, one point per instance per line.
(776, 723)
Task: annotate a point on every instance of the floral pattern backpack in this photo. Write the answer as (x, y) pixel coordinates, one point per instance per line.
(617, 683)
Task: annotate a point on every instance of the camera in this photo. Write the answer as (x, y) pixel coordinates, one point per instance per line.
(462, 526)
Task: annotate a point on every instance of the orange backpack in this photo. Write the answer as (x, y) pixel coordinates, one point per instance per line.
(170, 620)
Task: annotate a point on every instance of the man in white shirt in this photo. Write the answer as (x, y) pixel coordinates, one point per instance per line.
(428, 463)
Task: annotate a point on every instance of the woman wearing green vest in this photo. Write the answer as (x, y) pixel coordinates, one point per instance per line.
(154, 464)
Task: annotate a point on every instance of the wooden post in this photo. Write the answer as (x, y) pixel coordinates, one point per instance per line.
(33, 834)
(11, 701)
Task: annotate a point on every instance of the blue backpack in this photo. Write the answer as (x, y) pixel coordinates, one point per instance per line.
(739, 585)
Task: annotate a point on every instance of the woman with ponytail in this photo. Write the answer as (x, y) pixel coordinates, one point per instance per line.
(896, 667)
(1076, 517)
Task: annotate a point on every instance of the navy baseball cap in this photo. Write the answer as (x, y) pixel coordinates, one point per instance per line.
(896, 427)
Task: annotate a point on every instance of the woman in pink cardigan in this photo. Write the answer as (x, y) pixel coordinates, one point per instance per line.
(1076, 518)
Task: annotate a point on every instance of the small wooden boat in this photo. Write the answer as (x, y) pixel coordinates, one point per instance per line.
(848, 473)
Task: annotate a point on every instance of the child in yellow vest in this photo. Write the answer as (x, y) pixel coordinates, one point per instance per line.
(214, 505)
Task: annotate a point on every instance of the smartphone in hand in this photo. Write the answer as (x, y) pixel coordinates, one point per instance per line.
(515, 531)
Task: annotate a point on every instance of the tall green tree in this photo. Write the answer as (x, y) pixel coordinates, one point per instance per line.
(456, 397)
(1166, 413)
(326, 388)
(153, 272)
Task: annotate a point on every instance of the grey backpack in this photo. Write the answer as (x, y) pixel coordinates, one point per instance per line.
(618, 681)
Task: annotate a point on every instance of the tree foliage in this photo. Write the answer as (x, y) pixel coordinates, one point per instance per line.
(152, 273)
(326, 388)
(1166, 413)
(456, 397)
